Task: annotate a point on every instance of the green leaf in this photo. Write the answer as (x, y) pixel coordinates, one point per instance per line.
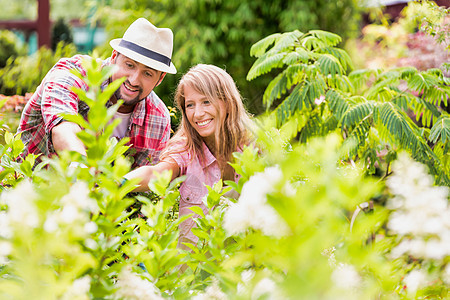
(275, 89)
(441, 130)
(329, 64)
(197, 210)
(265, 64)
(260, 47)
(330, 38)
(355, 114)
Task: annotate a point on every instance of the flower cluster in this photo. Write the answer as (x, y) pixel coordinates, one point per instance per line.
(421, 221)
(15, 103)
(75, 208)
(421, 214)
(132, 287)
(252, 209)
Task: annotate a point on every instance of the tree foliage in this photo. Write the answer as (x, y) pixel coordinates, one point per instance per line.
(221, 32)
(395, 107)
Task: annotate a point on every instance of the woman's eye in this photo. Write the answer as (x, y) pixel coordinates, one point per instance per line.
(189, 105)
(206, 102)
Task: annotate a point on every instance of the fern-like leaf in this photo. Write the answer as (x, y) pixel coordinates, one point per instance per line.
(337, 103)
(441, 130)
(260, 47)
(341, 55)
(311, 129)
(265, 64)
(438, 94)
(329, 64)
(275, 89)
(359, 78)
(424, 111)
(328, 37)
(357, 113)
(357, 137)
(422, 81)
(299, 55)
(287, 40)
(395, 126)
(311, 42)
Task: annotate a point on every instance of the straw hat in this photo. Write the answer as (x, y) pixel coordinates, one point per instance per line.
(148, 45)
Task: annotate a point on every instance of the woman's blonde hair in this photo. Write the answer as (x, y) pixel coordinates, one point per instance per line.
(233, 132)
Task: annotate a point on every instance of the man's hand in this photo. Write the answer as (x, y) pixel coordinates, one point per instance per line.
(64, 137)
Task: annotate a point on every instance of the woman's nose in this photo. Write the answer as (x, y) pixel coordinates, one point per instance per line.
(199, 111)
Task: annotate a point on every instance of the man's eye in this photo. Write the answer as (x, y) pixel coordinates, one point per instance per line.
(148, 74)
(129, 65)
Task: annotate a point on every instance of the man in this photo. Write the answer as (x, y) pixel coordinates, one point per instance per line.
(143, 56)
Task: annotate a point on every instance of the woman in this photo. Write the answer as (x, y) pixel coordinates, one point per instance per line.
(214, 124)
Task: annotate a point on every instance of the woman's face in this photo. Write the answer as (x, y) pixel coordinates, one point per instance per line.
(202, 114)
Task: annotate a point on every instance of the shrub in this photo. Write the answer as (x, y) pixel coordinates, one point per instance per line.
(61, 33)
(68, 233)
(9, 48)
(25, 73)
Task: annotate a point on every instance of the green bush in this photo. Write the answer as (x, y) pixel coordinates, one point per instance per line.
(61, 32)
(221, 32)
(25, 73)
(67, 233)
(8, 46)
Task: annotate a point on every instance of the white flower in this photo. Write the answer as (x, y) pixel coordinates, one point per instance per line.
(212, 292)
(246, 277)
(266, 289)
(79, 289)
(5, 250)
(21, 207)
(75, 209)
(346, 277)
(78, 198)
(414, 280)
(252, 209)
(90, 227)
(133, 287)
(5, 227)
(51, 222)
(446, 274)
(421, 211)
(331, 256)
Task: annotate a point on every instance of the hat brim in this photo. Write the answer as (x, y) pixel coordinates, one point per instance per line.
(142, 59)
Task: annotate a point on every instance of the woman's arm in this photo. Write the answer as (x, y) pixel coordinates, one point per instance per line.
(146, 173)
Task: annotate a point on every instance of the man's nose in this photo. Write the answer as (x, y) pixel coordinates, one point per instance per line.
(133, 78)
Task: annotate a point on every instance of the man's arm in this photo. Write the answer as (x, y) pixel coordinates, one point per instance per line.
(64, 137)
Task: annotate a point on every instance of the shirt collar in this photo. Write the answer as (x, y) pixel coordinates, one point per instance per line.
(209, 157)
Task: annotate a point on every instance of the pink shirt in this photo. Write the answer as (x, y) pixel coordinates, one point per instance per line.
(193, 189)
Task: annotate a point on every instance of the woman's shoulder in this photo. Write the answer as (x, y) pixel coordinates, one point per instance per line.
(177, 149)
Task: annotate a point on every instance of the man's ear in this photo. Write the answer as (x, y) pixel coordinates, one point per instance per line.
(114, 55)
(161, 77)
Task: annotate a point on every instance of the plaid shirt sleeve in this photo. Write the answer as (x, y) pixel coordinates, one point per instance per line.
(52, 97)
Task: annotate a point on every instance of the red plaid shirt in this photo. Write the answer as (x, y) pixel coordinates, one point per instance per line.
(149, 128)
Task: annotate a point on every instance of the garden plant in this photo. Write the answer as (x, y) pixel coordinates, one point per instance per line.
(344, 195)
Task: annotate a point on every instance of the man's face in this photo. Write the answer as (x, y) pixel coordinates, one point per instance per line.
(140, 80)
